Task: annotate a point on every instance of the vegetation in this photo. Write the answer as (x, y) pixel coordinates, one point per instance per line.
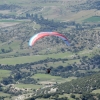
(74, 70)
(82, 86)
(4, 73)
(93, 19)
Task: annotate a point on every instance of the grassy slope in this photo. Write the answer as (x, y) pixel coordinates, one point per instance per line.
(4, 73)
(32, 86)
(4, 94)
(47, 78)
(44, 79)
(81, 83)
(28, 59)
(15, 44)
(93, 19)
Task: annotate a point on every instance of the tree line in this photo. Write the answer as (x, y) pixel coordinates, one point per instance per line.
(87, 65)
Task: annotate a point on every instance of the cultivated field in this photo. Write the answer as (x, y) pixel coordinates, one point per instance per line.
(33, 58)
(10, 22)
(29, 86)
(4, 73)
(93, 19)
(45, 78)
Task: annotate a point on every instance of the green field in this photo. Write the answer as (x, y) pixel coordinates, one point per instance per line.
(64, 64)
(48, 78)
(93, 19)
(11, 21)
(44, 77)
(32, 86)
(4, 94)
(28, 59)
(33, 58)
(14, 45)
(7, 96)
(4, 73)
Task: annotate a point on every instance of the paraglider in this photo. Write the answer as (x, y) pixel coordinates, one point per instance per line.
(40, 35)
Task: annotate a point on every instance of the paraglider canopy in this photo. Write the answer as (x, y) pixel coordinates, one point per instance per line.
(40, 35)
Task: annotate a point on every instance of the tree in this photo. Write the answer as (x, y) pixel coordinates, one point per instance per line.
(72, 96)
(30, 99)
(87, 96)
(98, 96)
(3, 50)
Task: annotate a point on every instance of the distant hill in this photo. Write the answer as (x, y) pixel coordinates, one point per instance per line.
(52, 9)
(77, 86)
(71, 18)
(81, 85)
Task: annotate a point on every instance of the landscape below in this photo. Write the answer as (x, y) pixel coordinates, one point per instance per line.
(74, 69)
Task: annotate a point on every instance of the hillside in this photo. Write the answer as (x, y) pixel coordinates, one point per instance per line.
(80, 26)
(31, 78)
(14, 40)
(63, 10)
(74, 69)
(82, 86)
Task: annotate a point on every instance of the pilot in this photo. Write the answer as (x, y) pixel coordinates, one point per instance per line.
(48, 70)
